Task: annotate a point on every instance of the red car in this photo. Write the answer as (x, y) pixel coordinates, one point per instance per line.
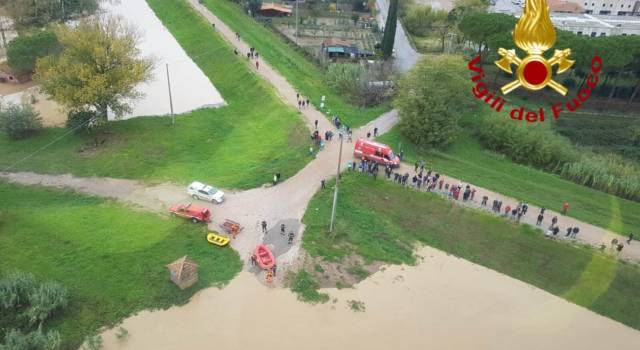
(377, 152)
(192, 212)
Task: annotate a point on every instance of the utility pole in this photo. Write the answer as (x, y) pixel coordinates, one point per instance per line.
(335, 192)
(173, 117)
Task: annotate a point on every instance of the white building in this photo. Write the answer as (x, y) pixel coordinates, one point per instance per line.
(610, 7)
(596, 25)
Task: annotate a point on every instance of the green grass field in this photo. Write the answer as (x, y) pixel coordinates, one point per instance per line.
(291, 63)
(468, 161)
(111, 258)
(237, 146)
(377, 220)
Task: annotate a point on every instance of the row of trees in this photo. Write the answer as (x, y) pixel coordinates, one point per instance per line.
(42, 12)
(424, 21)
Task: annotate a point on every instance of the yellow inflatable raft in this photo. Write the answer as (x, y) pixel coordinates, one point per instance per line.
(217, 239)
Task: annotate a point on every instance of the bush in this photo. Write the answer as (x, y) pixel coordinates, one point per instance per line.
(15, 288)
(19, 121)
(24, 51)
(343, 77)
(431, 98)
(607, 173)
(526, 144)
(15, 340)
(45, 300)
(307, 288)
(543, 148)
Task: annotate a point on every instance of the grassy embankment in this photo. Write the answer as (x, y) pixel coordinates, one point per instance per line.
(468, 161)
(304, 75)
(379, 221)
(110, 257)
(237, 146)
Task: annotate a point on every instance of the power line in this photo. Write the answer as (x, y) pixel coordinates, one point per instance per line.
(47, 145)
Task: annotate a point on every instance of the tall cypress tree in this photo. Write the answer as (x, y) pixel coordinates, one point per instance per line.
(390, 29)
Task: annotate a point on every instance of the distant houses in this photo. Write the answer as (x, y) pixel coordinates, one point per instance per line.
(339, 48)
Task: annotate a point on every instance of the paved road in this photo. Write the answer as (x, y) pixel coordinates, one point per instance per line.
(405, 56)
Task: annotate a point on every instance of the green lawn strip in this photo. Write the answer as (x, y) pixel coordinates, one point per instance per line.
(304, 75)
(237, 146)
(379, 220)
(111, 258)
(468, 161)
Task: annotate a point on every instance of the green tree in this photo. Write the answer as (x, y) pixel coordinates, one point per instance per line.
(479, 27)
(389, 36)
(36, 340)
(431, 98)
(98, 68)
(19, 120)
(23, 51)
(420, 20)
(254, 6)
(41, 12)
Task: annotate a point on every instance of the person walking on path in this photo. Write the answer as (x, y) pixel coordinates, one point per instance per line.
(554, 220)
(415, 167)
(574, 232)
(540, 218)
(565, 208)
(316, 124)
(369, 134)
(274, 269)
(282, 228)
(630, 238)
(619, 248)
(257, 65)
(568, 231)
(322, 186)
(264, 226)
(375, 132)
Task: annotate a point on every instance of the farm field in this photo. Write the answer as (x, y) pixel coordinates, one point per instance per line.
(109, 256)
(377, 220)
(205, 144)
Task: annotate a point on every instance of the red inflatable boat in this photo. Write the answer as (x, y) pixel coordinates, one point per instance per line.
(264, 257)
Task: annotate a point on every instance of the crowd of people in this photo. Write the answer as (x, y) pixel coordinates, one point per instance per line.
(430, 181)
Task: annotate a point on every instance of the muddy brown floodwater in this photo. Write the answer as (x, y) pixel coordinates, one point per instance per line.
(443, 303)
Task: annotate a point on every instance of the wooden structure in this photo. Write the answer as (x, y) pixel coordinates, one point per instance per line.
(183, 272)
(231, 227)
(274, 10)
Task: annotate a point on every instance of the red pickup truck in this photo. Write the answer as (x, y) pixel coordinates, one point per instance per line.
(192, 212)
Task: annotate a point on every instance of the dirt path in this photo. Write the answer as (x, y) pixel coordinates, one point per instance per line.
(443, 303)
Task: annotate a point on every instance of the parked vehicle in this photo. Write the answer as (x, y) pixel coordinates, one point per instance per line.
(198, 190)
(192, 212)
(377, 152)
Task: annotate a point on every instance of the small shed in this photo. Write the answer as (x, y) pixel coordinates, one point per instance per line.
(335, 48)
(183, 272)
(275, 10)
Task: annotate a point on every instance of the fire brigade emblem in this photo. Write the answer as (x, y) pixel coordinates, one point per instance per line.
(534, 33)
